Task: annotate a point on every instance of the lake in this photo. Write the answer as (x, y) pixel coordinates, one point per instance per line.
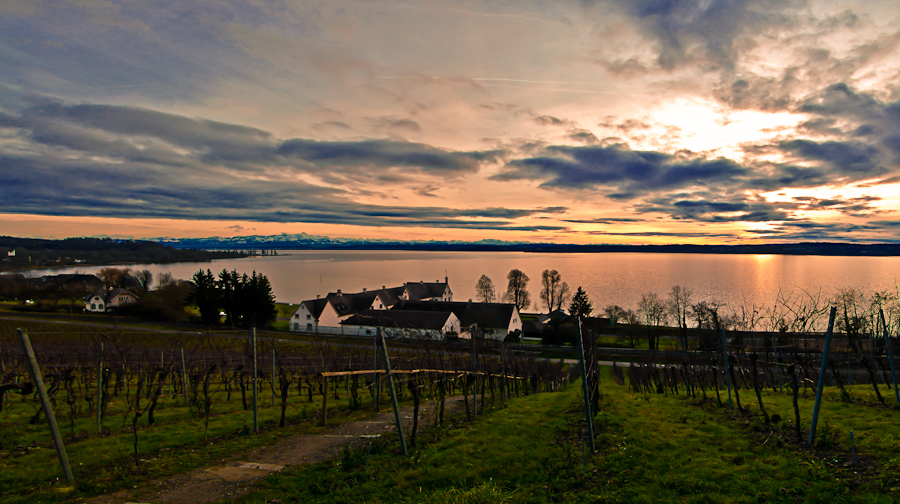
(609, 278)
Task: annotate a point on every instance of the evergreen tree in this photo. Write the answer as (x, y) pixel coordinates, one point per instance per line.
(206, 296)
(581, 305)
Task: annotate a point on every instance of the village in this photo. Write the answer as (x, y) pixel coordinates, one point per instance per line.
(416, 310)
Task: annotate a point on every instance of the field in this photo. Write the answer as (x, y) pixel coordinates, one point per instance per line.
(173, 403)
(655, 442)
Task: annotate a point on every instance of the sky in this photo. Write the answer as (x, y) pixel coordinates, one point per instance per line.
(566, 121)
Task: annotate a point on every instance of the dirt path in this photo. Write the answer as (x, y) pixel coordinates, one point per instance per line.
(238, 473)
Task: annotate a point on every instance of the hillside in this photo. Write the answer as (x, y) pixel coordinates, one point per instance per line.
(27, 253)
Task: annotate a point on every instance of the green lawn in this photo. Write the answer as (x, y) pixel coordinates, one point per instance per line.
(654, 448)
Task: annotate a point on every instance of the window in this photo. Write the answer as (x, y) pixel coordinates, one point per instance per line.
(93, 306)
(100, 306)
(296, 315)
(309, 327)
(308, 317)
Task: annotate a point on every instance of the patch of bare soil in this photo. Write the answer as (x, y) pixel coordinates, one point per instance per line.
(238, 473)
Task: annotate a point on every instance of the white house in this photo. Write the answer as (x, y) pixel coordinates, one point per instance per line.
(403, 324)
(493, 320)
(325, 314)
(102, 300)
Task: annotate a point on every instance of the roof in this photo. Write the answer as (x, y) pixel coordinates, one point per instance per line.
(97, 292)
(410, 319)
(315, 306)
(120, 292)
(417, 291)
(350, 303)
(485, 315)
(390, 295)
(107, 295)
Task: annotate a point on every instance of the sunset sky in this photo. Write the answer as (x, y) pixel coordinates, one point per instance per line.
(631, 121)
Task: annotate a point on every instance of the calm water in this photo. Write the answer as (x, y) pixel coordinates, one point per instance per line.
(608, 278)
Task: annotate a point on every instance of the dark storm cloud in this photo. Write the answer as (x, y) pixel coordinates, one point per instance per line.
(103, 160)
(629, 173)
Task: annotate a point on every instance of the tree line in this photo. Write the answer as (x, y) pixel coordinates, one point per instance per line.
(554, 293)
(246, 300)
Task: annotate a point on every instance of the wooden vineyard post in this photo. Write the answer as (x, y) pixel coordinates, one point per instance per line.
(887, 342)
(100, 388)
(584, 384)
(45, 404)
(272, 376)
(168, 376)
(253, 378)
(474, 374)
(183, 379)
(815, 417)
(5, 396)
(687, 379)
(390, 380)
(375, 387)
(777, 374)
(727, 374)
(324, 401)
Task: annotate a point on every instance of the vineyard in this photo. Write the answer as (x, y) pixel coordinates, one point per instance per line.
(135, 405)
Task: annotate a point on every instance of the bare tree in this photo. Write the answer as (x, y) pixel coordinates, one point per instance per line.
(112, 277)
(652, 310)
(484, 290)
(614, 313)
(554, 292)
(517, 289)
(678, 305)
(163, 280)
(144, 278)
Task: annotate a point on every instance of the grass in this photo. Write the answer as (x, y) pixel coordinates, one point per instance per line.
(30, 472)
(651, 448)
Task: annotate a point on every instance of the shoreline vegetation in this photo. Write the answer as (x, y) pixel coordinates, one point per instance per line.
(22, 254)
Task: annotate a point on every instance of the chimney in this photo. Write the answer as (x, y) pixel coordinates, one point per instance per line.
(318, 296)
(339, 292)
(383, 287)
(364, 289)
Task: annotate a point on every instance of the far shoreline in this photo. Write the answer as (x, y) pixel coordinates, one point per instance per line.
(795, 249)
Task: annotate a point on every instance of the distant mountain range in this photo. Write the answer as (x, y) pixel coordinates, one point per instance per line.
(305, 241)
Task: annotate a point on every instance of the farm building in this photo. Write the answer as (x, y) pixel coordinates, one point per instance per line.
(102, 300)
(403, 324)
(325, 314)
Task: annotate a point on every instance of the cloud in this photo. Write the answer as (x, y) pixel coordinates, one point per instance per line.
(704, 210)
(106, 160)
(384, 153)
(627, 173)
(694, 30)
(655, 234)
(844, 157)
(606, 220)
